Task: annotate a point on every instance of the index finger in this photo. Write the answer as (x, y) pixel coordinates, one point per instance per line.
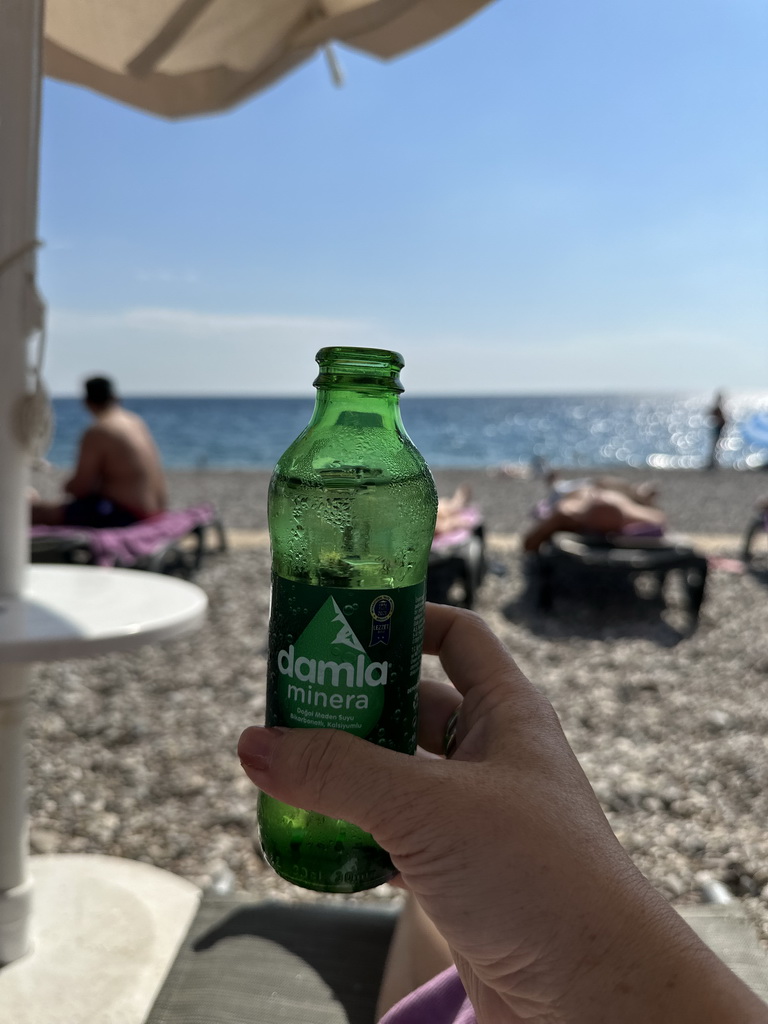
(469, 650)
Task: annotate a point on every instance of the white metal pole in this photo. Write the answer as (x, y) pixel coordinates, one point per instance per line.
(20, 83)
(15, 884)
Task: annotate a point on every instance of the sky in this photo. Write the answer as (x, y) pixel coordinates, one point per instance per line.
(558, 196)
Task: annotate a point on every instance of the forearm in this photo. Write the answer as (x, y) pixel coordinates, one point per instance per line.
(619, 955)
(658, 970)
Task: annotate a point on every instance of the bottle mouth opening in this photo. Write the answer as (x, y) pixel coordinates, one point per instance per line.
(359, 367)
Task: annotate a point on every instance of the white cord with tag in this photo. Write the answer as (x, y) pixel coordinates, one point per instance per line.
(33, 419)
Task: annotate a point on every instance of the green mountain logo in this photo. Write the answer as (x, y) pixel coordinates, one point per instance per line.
(345, 635)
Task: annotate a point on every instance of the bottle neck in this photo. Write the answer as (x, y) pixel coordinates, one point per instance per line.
(362, 407)
(358, 387)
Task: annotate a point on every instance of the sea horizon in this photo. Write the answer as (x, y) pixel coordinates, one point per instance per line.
(657, 430)
(758, 396)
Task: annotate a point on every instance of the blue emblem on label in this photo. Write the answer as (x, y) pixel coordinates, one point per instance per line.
(382, 609)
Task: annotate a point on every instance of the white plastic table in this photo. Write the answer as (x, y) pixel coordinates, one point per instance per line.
(73, 612)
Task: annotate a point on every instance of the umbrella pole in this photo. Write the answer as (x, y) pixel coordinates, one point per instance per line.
(20, 78)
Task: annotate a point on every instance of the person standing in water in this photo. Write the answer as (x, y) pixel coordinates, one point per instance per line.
(717, 423)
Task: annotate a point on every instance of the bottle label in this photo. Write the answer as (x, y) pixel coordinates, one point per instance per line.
(346, 659)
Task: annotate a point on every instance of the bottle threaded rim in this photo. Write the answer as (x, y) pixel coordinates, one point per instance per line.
(357, 367)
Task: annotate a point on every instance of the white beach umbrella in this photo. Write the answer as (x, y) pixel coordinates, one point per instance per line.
(174, 58)
(180, 57)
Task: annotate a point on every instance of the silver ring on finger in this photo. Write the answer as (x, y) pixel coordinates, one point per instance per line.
(449, 740)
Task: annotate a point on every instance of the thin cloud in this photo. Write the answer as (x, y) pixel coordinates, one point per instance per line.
(194, 322)
(185, 351)
(155, 350)
(158, 276)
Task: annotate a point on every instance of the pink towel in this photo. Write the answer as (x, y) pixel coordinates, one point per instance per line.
(125, 545)
(469, 519)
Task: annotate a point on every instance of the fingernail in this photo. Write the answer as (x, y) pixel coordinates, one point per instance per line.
(256, 747)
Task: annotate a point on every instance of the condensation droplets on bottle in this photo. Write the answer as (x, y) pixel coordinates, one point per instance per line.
(352, 509)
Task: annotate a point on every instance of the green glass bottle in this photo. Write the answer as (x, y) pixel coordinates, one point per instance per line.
(352, 509)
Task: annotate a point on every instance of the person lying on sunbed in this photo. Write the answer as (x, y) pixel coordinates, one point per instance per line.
(644, 493)
(457, 519)
(452, 513)
(592, 508)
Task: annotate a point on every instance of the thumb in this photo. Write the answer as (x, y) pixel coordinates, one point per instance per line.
(334, 773)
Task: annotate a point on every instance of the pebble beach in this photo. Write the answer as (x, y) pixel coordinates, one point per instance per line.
(134, 755)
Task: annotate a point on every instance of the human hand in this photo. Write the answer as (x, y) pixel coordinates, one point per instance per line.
(506, 849)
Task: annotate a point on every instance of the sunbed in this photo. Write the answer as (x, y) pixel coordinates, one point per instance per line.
(172, 542)
(457, 563)
(618, 556)
(757, 528)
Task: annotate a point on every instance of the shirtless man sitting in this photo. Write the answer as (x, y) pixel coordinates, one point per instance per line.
(119, 478)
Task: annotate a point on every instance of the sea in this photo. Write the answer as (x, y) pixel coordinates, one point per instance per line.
(516, 431)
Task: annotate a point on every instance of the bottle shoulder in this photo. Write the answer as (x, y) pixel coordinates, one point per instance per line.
(342, 458)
